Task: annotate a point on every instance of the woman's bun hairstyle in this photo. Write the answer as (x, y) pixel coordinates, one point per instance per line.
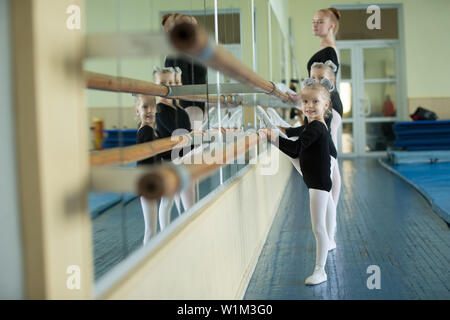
(164, 18)
(336, 13)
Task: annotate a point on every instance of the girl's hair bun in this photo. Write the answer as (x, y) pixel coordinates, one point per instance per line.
(327, 84)
(336, 12)
(307, 82)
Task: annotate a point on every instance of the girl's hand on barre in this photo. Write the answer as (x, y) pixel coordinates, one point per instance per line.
(295, 98)
(263, 133)
(282, 129)
(268, 134)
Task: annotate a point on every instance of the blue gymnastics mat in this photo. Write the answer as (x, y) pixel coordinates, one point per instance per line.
(422, 135)
(432, 180)
(100, 202)
(115, 138)
(416, 157)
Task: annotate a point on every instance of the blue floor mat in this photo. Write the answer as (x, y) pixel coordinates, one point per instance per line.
(422, 135)
(432, 180)
(100, 202)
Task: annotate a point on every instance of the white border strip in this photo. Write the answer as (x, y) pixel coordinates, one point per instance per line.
(438, 210)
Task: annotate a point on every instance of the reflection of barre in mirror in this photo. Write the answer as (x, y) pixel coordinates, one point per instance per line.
(105, 82)
(126, 155)
(193, 40)
(166, 182)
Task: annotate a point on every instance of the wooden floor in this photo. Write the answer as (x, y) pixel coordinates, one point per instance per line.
(381, 221)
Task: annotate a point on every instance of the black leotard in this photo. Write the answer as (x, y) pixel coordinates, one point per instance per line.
(323, 55)
(147, 134)
(336, 102)
(168, 119)
(312, 148)
(296, 131)
(192, 73)
(327, 120)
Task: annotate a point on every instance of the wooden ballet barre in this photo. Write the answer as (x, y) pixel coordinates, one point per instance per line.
(105, 82)
(193, 40)
(130, 154)
(167, 180)
(125, 155)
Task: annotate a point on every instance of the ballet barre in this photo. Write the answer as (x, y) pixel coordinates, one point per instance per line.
(193, 40)
(125, 155)
(169, 179)
(156, 181)
(105, 82)
(130, 154)
(127, 45)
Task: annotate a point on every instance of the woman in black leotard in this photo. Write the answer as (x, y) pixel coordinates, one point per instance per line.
(191, 72)
(313, 150)
(169, 117)
(325, 25)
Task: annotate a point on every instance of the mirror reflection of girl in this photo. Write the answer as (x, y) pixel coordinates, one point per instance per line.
(178, 82)
(312, 149)
(168, 119)
(146, 113)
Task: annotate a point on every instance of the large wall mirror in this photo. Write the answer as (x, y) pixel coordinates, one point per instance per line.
(248, 29)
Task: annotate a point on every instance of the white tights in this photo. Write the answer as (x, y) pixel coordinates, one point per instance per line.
(187, 195)
(336, 175)
(166, 204)
(323, 221)
(195, 116)
(150, 219)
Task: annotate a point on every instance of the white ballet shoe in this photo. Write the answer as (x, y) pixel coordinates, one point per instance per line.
(276, 119)
(262, 115)
(317, 277)
(146, 239)
(332, 245)
(236, 119)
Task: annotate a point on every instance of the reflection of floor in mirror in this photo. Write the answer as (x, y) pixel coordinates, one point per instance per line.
(119, 230)
(381, 221)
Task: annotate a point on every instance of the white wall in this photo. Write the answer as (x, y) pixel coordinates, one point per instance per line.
(426, 44)
(11, 271)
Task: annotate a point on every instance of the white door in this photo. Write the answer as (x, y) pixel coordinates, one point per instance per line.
(372, 95)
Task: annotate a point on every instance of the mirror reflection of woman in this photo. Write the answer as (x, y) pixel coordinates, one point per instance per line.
(191, 72)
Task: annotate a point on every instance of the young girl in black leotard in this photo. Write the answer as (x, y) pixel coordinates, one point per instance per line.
(169, 118)
(146, 111)
(313, 150)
